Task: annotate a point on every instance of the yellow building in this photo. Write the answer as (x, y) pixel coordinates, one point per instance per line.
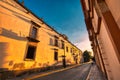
(27, 42)
(102, 19)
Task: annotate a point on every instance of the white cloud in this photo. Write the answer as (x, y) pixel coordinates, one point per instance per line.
(84, 44)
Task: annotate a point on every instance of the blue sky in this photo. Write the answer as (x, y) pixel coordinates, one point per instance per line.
(65, 16)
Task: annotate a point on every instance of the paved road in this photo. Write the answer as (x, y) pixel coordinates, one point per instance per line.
(77, 73)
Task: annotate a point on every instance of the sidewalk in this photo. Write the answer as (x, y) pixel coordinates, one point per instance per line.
(95, 74)
(40, 74)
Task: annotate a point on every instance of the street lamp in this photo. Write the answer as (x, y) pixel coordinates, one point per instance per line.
(64, 61)
(64, 58)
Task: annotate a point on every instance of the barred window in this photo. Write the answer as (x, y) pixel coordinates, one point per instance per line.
(34, 32)
(56, 42)
(51, 41)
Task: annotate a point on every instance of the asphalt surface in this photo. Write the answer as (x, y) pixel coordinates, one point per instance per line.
(77, 73)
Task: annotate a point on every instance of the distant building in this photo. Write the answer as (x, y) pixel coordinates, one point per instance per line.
(102, 18)
(27, 42)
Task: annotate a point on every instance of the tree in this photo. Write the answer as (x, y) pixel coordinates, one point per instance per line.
(87, 56)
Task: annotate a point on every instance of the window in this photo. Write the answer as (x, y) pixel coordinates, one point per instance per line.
(51, 41)
(55, 55)
(56, 42)
(62, 44)
(71, 50)
(34, 32)
(31, 52)
(66, 49)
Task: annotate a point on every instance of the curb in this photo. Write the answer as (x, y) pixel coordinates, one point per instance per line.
(88, 76)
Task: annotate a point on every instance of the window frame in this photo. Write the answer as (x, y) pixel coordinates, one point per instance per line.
(66, 48)
(56, 55)
(51, 41)
(63, 44)
(56, 42)
(27, 56)
(33, 34)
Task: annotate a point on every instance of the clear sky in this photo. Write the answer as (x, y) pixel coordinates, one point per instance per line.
(65, 16)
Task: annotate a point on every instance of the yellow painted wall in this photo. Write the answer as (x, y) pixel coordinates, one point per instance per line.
(15, 26)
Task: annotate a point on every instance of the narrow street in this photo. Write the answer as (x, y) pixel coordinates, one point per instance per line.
(59, 40)
(86, 71)
(77, 73)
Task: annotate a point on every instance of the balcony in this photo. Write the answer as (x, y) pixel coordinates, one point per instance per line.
(32, 39)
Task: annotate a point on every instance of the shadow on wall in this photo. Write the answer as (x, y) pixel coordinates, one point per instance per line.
(3, 54)
(5, 45)
(13, 35)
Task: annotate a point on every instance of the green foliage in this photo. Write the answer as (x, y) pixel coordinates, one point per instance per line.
(87, 56)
